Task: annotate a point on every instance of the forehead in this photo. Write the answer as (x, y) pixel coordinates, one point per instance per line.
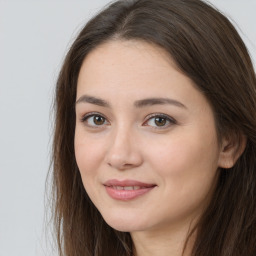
(128, 64)
(132, 50)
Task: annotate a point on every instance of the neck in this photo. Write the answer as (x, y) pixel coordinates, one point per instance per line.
(163, 242)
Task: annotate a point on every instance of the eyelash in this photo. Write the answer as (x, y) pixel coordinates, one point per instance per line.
(92, 114)
(169, 120)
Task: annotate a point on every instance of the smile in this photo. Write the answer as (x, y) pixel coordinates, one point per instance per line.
(127, 189)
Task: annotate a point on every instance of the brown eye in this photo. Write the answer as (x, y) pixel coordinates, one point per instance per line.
(160, 121)
(94, 120)
(98, 120)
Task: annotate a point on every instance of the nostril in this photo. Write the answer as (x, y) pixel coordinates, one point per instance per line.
(120, 165)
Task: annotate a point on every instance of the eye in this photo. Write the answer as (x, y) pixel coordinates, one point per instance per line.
(94, 120)
(159, 121)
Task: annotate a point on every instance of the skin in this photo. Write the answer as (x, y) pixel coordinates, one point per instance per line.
(181, 157)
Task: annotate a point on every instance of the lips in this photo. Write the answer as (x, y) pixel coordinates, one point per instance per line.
(127, 183)
(127, 189)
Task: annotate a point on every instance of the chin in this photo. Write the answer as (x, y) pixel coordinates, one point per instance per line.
(124, 223)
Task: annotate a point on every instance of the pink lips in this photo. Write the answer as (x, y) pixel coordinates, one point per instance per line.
(127, 189)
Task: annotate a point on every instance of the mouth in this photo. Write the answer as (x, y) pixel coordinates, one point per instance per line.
(127, 189)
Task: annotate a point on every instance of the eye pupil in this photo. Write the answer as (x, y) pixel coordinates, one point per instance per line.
(98, 120)
(160, 121)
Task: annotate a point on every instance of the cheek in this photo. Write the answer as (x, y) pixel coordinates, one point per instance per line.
(187, 165)
(179, 154)
(187, 174)
(88, 153)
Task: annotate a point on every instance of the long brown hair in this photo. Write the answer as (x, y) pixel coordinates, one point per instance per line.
(206, 48)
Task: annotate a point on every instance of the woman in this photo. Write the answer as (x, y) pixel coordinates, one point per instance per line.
(155, 142)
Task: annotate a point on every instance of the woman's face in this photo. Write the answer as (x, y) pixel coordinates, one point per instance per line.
(145, 138)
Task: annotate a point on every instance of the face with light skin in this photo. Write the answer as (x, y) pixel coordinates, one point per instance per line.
(139, 118)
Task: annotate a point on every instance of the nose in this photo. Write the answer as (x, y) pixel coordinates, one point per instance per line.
(123, 151)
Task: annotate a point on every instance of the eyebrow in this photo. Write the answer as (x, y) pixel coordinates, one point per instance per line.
(138, 103)
(158, 101)
(93, 100)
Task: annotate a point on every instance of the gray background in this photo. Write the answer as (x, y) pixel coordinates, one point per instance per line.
(34, 35)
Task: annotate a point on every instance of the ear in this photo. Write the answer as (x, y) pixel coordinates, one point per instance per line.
(232, 147)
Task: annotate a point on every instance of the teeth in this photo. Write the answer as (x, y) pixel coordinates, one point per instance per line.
(127, 188)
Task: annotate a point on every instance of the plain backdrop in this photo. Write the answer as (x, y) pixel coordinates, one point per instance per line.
(34, 37)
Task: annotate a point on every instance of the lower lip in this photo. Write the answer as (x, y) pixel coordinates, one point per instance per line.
(126, 195)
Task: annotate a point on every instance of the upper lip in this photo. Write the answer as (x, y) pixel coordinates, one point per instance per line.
(127, 183)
